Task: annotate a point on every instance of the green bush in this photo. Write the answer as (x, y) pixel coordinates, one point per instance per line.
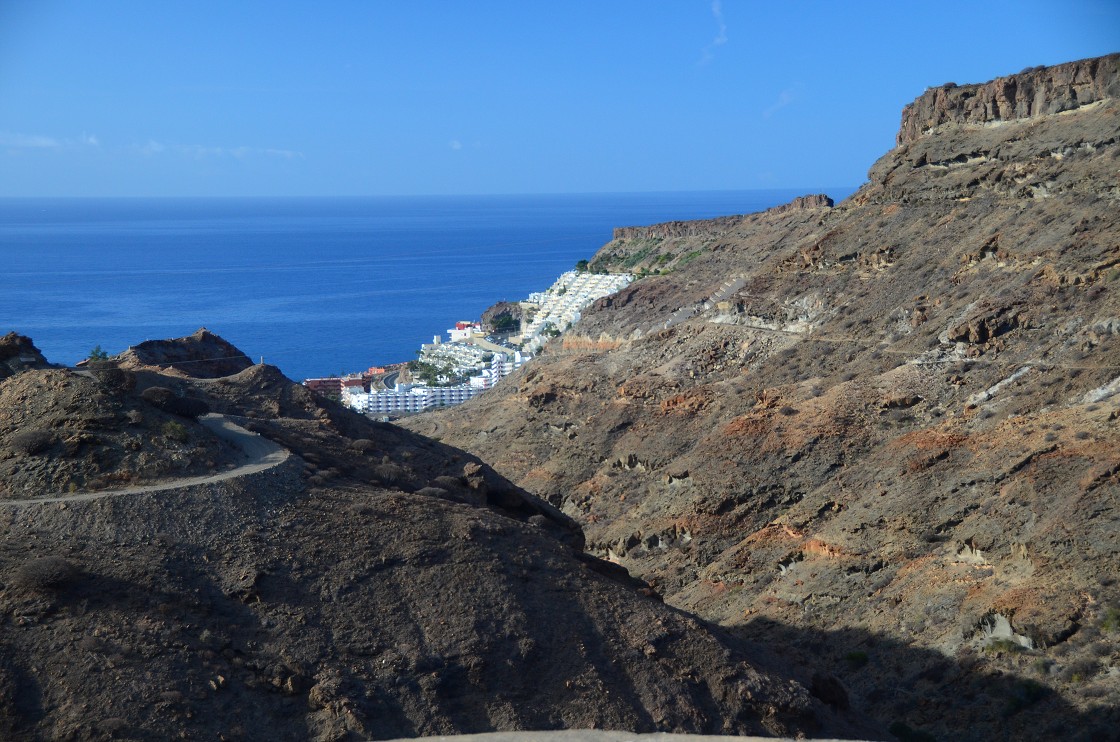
(1110, 621)
(176, 431)
(685, 260)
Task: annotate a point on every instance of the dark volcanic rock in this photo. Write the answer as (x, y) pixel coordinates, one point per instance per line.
(510, 309)
(18, 353)
(202, 355)
(816, 201)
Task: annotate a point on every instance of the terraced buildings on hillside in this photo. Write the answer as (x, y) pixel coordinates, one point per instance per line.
(560, 306)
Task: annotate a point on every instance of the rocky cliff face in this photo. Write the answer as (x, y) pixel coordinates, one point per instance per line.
(881, 435)
(1041, 91)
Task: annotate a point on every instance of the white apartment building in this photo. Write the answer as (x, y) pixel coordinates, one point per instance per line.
(409, 398)
(560, 306)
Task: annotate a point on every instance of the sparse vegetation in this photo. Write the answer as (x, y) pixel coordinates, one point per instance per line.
(32, 442)
(175, 431)
(688, 258)
(1110, 620)
(45, 573)
(390, 473)
(1003, 646)
(504, 324)
(634, 258)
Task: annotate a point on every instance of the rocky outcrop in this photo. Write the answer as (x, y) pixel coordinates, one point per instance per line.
(18, 353)
(707, 227)
(493, 316)
(202, 355)
(815, 201)
(1033, 92)
(714, 227)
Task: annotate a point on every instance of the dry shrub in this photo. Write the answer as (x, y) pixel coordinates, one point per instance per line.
(45, 573)
(390, 473)
(166, 400)
(363, 445)
(32, 442)
(117, 379)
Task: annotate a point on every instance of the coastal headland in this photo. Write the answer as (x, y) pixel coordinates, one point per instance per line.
(831, 470)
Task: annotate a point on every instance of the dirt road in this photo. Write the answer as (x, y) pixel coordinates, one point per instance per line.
(262, 454)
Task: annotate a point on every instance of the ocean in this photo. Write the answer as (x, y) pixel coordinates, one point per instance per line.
(316, 286)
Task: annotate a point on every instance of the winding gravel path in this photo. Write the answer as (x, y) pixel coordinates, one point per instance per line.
(262, 454)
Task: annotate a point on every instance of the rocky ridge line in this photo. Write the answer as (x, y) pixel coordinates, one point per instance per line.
(1032, 92)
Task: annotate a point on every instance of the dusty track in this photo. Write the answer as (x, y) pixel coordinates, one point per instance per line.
(262, 454)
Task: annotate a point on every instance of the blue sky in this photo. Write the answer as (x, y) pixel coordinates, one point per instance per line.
(169, 98)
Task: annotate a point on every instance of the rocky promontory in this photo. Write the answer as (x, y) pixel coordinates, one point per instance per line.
(1039, 91)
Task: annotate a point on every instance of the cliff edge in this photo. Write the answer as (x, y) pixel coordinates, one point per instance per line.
(1039, 91)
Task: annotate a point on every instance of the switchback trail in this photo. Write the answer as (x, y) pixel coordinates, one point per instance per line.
(262, 454)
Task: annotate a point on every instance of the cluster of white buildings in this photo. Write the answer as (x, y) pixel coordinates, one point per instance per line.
(461, 356)
(470, 354)
(559, 307)
(404, 398)
(408, 398)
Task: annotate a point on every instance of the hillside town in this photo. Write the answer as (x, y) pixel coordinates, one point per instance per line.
(476, 355)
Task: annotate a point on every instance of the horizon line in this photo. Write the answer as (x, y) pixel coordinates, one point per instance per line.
(804, 190)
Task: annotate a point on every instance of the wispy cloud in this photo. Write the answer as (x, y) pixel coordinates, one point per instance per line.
(708, 53)
(27, 141)
(455, 144)
(149, 148)
(13, 140)
(787, 96)
(152, 148)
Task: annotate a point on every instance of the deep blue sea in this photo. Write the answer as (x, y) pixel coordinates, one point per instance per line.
(316, 286)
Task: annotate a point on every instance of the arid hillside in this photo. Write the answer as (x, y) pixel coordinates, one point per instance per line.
(194, 547)
(882, 434)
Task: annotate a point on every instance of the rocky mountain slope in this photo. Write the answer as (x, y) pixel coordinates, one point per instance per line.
(372, 584)
(881, 434)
